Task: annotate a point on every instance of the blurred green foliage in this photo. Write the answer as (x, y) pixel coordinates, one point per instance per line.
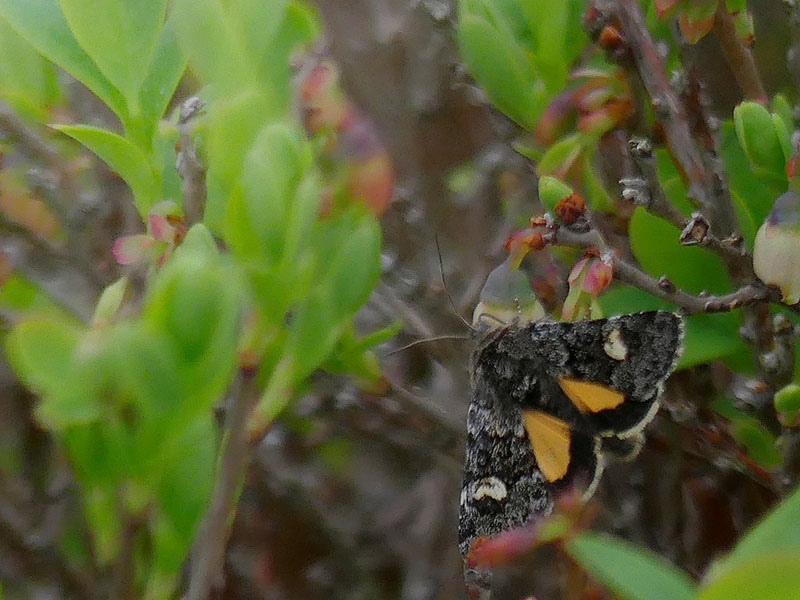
(131, 398)
(762, 566)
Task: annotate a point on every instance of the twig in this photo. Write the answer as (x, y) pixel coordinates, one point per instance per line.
(124, 575)
(738, 55)
(648, 193)
(212, 538)
(189, 165)
(28, 139)
(703, 192)
(662, 288)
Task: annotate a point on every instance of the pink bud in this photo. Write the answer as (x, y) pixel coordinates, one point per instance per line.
(598, 275)
(587, 279)
(160, 228)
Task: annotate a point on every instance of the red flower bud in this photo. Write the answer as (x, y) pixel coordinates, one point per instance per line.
(571, 208)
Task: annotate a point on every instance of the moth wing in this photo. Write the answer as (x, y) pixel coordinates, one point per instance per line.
(514, 462)
(609, 371)
(502, 486)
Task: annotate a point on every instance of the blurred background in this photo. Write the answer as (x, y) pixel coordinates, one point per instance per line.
(354, 492)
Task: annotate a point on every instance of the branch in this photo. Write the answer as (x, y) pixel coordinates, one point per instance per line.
(189, 165)
(712, 199)
(663, 288)
(648, 193)
(29, 140)
(738, 55)
(212, 538)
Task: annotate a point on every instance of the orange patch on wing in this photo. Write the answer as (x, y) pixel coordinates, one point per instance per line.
(550, 438)
(590, 397)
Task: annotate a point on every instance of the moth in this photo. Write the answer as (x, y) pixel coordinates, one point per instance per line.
(548, 400)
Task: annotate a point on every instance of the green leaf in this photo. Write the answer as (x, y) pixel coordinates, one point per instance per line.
(549, 21)
(552, 191)
(787, 401)
(165, 72)
(120, 36)
(760, 141)
(313, 333)
(109, 303)
(756, 195)
(710, 337)
(102, 514)
(195, 301)
(777, 532)
(40, 351)
(26, 78)
(273, 169)
(355, 268)
(42, 23)
(214, 44)
(767, 577)
(233, 124)
(561, 156)
(500, 67)
(632, 573)
(187, 477)
(760, 443)
(124, 157)
(780, 106)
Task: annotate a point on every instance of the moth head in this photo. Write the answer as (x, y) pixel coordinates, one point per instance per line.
(506, 298)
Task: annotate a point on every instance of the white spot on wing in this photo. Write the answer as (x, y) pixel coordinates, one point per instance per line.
(490, 487)
(615, 346)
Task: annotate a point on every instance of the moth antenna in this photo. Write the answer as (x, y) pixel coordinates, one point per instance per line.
(426, 340)
(444, 284)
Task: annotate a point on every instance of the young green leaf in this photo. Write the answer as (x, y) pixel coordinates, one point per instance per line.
(211, 38)
(777, 532)
(27, 80)
(500, 67)
(165, 72)
(631, 572)
(354, 269)
(40, 351)
(757, 194)
(42, 23)
(124, 157)
(109, 303)
(762, 144)
(770, 576)
(120, 36)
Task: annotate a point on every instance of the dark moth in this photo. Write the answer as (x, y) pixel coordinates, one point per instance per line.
(547, 399)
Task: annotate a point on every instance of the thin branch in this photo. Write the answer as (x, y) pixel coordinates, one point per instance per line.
(704, 191)
(29, 140)
(738, 55)
(648, 193)
(662, 288)
(212, 538)
(124, 576)
(189, 165)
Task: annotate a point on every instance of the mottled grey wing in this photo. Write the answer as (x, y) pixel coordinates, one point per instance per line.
(502, 486)
(632, 354)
